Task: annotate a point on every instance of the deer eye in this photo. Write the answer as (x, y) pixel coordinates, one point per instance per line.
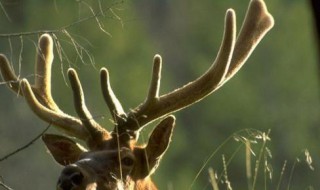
(127, 161)
(77, 178)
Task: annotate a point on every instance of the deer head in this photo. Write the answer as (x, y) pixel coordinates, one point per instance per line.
(113, 159)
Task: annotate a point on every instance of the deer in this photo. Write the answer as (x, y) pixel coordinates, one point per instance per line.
(113, 159)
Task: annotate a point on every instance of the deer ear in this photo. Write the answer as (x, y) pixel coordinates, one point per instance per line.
(159, 142)
(64, 150)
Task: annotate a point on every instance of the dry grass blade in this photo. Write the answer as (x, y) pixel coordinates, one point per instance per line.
(213, 180)
(207, 161)
(242, 136)
(225, 175)
(265, 138)
(281, 174)
(248, 164)
(307, 160)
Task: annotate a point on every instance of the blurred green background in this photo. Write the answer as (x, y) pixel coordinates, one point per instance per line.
(277, 89)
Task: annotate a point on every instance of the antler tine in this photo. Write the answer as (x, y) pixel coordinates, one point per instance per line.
(191, 92)
(232, 55)
(153, 94)
(42, 85)
(38, 96)
(68, 124)
(97, 133)
(258, 21)
(42, 78)
(8, 75)
(112, 101)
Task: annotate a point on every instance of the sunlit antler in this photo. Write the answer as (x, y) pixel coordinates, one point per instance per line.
(40, 99)
(232, 55)
(115, 156)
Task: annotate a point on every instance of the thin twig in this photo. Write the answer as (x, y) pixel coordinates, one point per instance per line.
(25, 146)
(5, 12)
(63, 28)
(5, 186)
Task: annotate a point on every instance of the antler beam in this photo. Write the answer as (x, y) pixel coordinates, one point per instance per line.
(232, 55)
